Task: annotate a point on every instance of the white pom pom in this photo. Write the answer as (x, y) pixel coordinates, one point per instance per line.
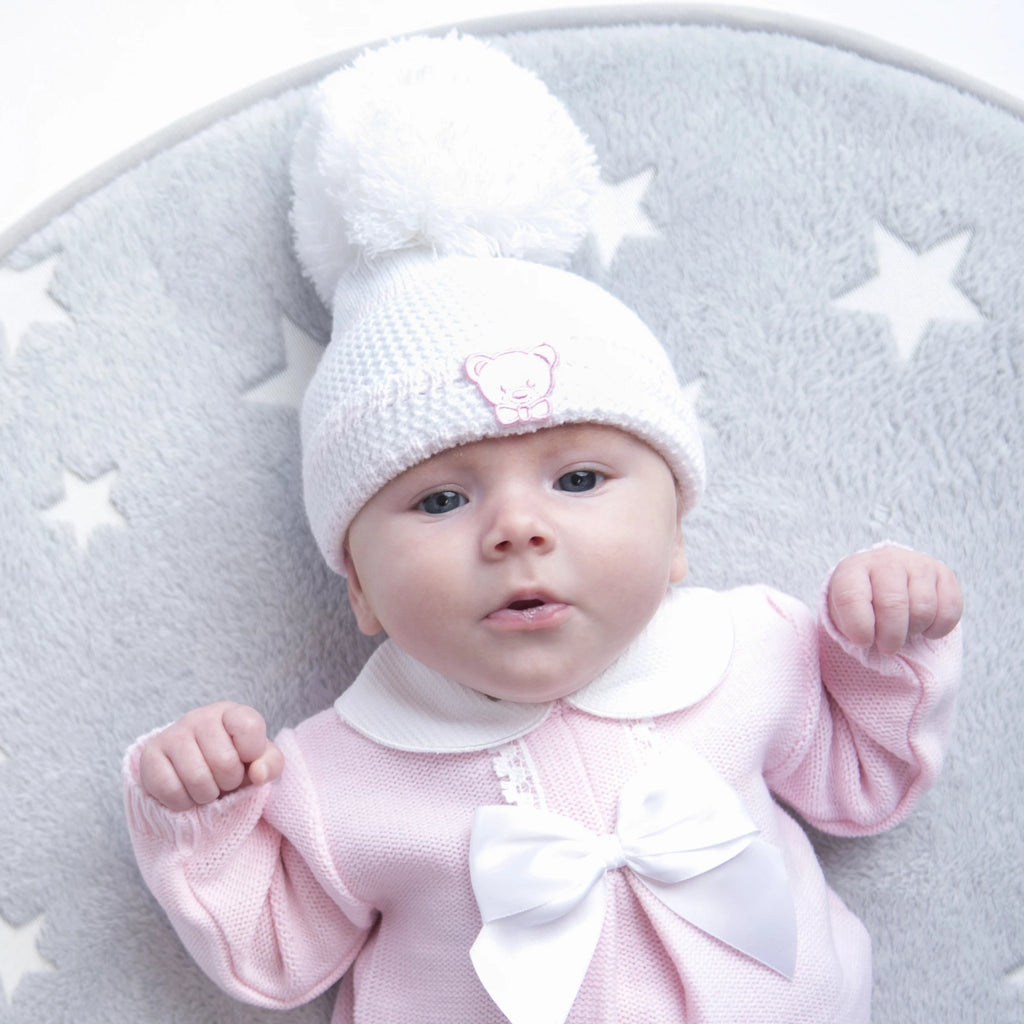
(444, 144)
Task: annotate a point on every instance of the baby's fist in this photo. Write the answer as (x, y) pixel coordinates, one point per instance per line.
(208, 752)
(889, 595)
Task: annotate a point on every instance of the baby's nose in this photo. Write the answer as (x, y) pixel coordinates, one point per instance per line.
(518, 531)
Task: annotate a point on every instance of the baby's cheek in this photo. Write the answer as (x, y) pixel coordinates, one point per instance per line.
(420, 618)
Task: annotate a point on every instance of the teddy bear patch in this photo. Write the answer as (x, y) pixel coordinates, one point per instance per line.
(518, 384)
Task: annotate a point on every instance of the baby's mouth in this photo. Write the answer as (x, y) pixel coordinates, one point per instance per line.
(537, 611)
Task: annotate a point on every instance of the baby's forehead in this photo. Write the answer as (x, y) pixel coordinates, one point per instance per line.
(541, 441)
(567, 442)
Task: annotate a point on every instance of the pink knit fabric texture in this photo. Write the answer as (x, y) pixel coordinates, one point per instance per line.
(354, 865)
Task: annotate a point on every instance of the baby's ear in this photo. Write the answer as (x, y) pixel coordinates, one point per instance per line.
(366, 619)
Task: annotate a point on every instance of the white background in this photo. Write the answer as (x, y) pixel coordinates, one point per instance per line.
(83, 80)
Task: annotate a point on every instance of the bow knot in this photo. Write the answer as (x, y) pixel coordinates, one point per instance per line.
(682, 831)
(609, 849)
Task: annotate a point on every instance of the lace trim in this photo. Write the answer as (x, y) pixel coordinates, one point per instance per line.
(647, 741)
(517, 775)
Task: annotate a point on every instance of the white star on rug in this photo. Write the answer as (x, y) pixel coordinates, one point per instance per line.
(86, 506)
(24, 301)
(302, 353)
(616, 214)
(1016, 977)
(19, 954)
(913, 289)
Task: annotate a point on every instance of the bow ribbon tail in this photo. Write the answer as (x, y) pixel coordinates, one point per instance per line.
(534, 971)
(745, 902)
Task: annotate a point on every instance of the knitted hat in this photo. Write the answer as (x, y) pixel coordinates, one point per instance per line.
(438, 189)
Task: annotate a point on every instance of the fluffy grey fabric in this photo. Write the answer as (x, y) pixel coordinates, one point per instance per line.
(830, 247)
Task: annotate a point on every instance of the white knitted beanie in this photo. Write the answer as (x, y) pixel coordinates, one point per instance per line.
(438, 186)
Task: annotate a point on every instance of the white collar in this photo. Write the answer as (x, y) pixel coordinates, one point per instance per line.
(679, 658)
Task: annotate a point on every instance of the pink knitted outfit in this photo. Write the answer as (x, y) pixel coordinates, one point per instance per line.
(354, 865)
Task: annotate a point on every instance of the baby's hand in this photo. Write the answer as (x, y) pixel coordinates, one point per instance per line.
(208, 752)
(888, 595)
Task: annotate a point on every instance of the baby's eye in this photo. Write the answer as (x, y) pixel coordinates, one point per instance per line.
(579, 480)
(440, 502)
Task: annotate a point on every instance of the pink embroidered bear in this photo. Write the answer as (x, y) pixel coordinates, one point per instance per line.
(516, 383)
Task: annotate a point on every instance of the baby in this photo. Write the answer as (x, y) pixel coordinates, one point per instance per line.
(554, 793)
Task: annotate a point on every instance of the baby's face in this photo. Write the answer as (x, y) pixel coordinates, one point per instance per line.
(520, 566)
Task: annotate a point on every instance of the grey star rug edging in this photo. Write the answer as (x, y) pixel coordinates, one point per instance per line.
(829, 244)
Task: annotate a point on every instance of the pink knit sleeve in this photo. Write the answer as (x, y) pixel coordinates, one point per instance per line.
(875, 730)
(263, 914)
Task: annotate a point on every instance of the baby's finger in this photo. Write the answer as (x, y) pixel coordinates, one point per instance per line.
(849, 603)
(159, 779)
(923, 598)
(950, 604)
(247, 730)
(222, 760)
(267, 767)
(890, 599)
(183, 752)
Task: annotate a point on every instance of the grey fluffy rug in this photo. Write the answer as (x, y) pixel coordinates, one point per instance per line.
(831, 247)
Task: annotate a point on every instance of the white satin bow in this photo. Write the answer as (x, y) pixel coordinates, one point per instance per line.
(683, 833)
